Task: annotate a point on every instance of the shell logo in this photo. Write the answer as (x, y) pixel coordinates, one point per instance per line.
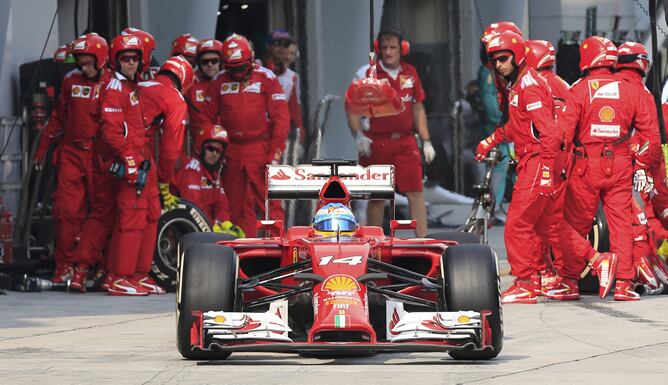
(341, 283)
(606, 114)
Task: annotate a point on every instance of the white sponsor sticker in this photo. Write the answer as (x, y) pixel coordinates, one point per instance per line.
(534, 106)
(109, 109)
(494, 43)
(642, 218)
(514, 100)
(253, 87)
(132, 41)
(278, 96)
(194, 187)
(236, 54)
(407, 98)
(605, 130)
(80, 45)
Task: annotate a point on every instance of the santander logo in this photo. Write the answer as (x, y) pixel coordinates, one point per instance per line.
(301, 174)
(280, 175)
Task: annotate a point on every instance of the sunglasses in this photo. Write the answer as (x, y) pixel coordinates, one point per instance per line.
(206, 62)
(285, 43)
(129, 58)
(215, 149)
(502, 59)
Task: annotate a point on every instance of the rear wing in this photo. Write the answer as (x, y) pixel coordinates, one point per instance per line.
(305, 181)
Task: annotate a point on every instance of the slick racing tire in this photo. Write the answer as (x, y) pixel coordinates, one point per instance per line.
(599, 235)
(192, 239)
(208, 282)
(172, 227)
(457, 236)
(471, 282)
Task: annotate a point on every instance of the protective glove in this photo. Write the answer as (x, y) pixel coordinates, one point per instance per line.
(127, 167)
(169, 201)
(642, 182)
(487, 144)
(428, 151)
(546, 180)
(662, 251)
(237, 232)
(363, 144)
(228, 227)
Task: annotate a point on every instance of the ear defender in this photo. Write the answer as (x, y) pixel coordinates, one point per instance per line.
(405, 45)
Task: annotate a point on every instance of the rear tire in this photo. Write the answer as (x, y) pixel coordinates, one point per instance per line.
(471, 282)
(599, 238)
(172, 227)
(457, 236)
(208, 282)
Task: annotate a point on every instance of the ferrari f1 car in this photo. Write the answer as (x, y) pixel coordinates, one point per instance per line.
(347, 290)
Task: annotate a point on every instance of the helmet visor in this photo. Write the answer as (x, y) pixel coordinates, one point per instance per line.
(336, 224)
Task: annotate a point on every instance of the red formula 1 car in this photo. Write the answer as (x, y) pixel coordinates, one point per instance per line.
(341, 293)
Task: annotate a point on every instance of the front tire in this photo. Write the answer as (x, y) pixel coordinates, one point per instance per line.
(208, 275)
(471, 282)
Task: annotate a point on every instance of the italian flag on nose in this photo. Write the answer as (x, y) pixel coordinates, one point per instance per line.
(340, 321)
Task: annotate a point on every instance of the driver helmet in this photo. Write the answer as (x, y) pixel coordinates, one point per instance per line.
(332, 218)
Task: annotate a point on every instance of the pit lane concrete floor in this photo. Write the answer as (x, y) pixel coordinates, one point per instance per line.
(62, 338)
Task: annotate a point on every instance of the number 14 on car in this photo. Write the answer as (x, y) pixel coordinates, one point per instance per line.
(354, 260)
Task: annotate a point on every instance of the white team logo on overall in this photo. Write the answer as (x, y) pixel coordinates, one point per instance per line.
(199, 95)
(253, 87)
(603, 91)
(134, 98)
